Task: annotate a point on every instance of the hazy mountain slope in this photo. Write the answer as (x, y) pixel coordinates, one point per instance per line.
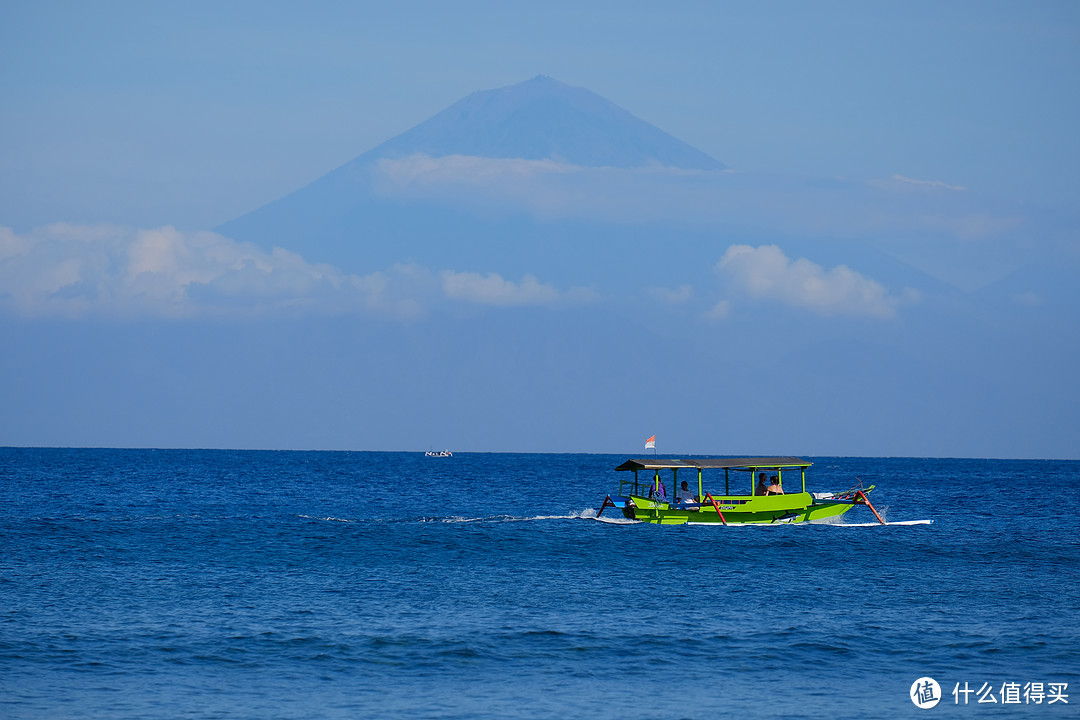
(343, 218)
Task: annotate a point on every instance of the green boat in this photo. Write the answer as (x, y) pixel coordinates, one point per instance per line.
(647, 498)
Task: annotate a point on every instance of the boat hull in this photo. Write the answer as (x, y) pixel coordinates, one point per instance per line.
(796, 507)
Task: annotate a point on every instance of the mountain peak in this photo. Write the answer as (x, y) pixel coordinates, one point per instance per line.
(542, 118)
(541, 78)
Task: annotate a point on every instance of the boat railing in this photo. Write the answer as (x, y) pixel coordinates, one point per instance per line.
(721, 499)
(852, 492)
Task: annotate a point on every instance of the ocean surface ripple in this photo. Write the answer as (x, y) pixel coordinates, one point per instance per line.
(237, 584)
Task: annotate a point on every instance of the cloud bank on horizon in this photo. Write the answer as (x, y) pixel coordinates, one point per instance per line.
(72, 271)
(66, 270)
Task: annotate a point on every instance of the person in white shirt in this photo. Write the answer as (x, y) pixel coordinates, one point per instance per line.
(685, 494)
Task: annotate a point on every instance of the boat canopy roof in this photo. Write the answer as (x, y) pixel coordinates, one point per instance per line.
(713, 463)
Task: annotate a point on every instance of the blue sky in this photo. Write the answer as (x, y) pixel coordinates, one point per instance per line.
(941, 137)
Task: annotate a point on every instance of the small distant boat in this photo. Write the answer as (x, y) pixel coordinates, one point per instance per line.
(649, 501)
(440, 453)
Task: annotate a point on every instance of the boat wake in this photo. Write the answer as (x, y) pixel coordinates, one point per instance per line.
(509, 518)
(326, 519)
(874, 524)
(586, 514)
(615, 520)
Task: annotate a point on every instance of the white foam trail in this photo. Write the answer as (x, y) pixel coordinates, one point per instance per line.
(327, 519)
(896, 522)
(615, 520)
(459, 519)
(585, 514)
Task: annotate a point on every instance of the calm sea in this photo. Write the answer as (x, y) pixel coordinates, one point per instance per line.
(218, 584)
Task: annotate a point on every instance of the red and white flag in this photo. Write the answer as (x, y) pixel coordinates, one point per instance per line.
(650, 444)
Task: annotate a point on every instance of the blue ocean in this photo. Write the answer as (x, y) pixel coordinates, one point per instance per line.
(237, 584)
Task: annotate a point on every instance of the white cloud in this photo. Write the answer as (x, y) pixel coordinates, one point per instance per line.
(492, 289)
(719, 311)
(767, 273)
(927, 183)
(421, 168)
(73, 270)
(672, 296)
(12, 245)
(547, 188)
(77, 270)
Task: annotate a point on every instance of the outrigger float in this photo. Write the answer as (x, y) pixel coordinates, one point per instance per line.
(647, 500)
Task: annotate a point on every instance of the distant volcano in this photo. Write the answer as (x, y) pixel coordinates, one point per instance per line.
(544, 179)
(343, 217)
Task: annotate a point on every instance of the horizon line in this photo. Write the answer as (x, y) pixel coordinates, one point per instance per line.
(514, 452)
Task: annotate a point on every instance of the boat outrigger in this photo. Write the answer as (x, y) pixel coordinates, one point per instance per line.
(647, 500)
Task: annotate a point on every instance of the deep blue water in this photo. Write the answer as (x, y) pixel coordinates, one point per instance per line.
(218, 584)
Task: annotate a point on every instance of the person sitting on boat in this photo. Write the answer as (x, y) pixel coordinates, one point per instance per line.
(685, 494)
(774, 488)
(762, 486)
